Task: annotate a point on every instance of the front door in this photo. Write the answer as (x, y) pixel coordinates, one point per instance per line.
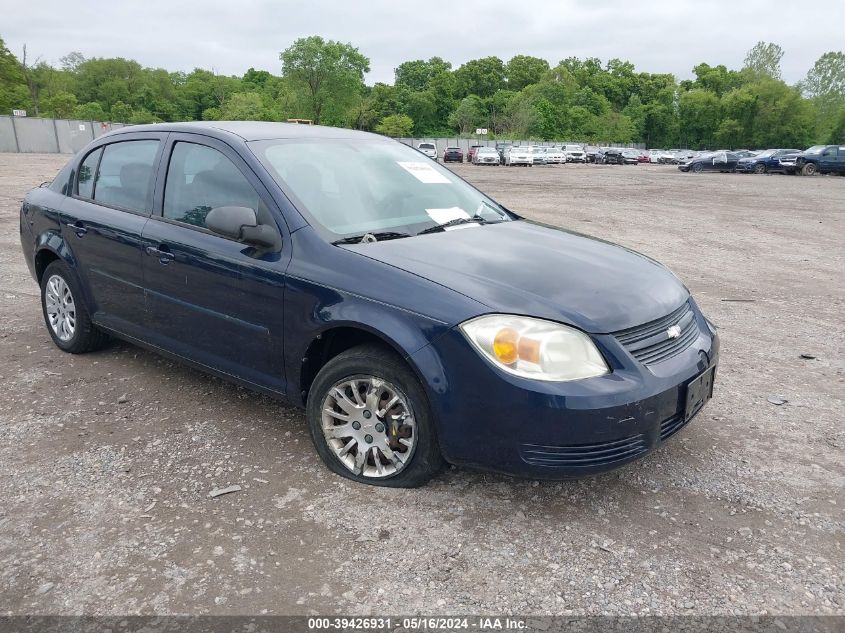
(214, 300)
(103, 219)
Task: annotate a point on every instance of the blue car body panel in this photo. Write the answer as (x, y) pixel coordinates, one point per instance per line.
(254, 316)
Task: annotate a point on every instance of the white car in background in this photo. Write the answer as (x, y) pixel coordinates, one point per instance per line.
(555, 156)
(518, 156)
(575, 154)
(429, 149)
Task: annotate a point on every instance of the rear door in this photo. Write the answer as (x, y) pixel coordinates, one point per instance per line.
(110, 202)
(210, 298)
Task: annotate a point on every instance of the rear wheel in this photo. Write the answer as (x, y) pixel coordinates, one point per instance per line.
(65, 313)
(809, 169)
(370, 420)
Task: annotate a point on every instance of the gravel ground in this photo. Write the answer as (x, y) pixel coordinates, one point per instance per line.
(107, 459)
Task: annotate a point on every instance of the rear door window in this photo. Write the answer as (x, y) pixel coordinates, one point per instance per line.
(125, 177)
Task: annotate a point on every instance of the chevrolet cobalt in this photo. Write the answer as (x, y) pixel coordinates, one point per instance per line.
(415, 319)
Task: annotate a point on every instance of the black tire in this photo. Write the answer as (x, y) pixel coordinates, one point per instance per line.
(86, 336)
(809, 169)
(377, 361)
(760, 168)
(697, 168)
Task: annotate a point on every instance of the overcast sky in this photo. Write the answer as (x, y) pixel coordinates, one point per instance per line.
(657, 36)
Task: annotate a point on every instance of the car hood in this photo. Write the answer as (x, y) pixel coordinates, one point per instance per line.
(526, 268)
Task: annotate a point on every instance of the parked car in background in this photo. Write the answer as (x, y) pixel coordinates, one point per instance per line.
(787, 162)
(555, 156)
(682, 155)
(485, 156)
(472, 150)
(630, 156)
(502, 148)
(821, 159)
(643, 156)
(575, 154)
(517, 155)
(254, 253)
(610, 156)
(453, 155)
(429, 149)
(590, 153)
(763, 162)
(660, 157)
(711, 161)
(538, 154)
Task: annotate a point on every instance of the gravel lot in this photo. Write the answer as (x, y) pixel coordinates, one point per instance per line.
(107, 459)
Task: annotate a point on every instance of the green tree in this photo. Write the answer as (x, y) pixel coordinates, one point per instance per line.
(524, 70)
(730, 134)
(764, 59)
(698, 111)
(244, 106)
(142, 116)
(416, 75)
(837, 134)
(481, 77)
(396, 125)
(825, 86)
(468, 115)
(61, 105)
(330, 71)
(91, 111)
(121, 112)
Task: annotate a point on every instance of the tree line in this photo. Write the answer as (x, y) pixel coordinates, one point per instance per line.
(525, 97)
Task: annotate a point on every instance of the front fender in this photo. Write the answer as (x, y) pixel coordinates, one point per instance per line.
(312, 310)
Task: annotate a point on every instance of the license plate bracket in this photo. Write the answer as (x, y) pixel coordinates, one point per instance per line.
(699, 391)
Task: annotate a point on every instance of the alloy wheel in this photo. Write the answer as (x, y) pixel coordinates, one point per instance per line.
(61, 309)
(369, 425)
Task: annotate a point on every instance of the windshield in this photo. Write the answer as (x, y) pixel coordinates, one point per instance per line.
(815, 149)
(426, 145)
(348, 187)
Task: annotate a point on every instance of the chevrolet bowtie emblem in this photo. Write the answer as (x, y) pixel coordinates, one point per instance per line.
(674, 331)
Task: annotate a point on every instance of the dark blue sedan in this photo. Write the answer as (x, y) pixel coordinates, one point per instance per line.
(764, 162)
(415, 319)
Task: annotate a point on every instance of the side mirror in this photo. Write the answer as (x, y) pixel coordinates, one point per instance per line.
(230, 221)
(241, 223)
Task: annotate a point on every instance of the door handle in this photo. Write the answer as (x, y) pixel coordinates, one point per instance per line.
(162, 252)
(77, 228)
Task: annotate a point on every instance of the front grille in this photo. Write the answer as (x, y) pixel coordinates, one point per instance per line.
(583, 455)
(650, 343)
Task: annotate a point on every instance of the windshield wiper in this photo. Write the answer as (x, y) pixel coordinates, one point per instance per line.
(366, 238)
(476, 219)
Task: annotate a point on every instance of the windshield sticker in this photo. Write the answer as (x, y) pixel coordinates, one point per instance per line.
(458, 227)
(442, 216)
(424, 172)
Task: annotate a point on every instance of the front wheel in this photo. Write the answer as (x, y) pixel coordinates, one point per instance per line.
(697, 168)
(760, 168)
(370, 420)
(65, 313)
(809, 169)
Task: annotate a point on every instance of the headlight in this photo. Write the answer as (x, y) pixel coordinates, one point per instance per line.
(534, 348)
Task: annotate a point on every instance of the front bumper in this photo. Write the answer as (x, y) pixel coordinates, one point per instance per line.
(495, 421)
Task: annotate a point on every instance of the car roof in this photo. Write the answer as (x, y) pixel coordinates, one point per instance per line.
(252, 130)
